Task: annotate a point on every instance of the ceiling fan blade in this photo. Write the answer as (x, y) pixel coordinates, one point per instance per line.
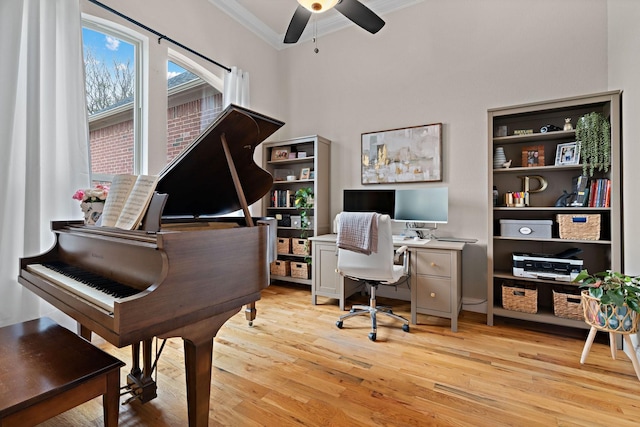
(297, 24)
(360, 15)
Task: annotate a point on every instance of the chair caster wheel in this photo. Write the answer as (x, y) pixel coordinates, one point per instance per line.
(372, 336)
(405, 328)
(250, 323)
(339, 324)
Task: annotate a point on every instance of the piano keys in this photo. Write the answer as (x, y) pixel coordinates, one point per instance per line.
(187, 272)
(95, 289)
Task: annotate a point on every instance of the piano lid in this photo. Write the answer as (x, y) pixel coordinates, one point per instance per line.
(199, 182)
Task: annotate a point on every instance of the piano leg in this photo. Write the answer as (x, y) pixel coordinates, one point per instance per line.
(198, 356)
(139, 380)
(250, 312)
(84, 332)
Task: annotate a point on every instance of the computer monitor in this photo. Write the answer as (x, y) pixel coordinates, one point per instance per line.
(422, 208)
(360, 200)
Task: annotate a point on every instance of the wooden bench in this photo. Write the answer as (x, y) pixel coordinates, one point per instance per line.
(46, 369)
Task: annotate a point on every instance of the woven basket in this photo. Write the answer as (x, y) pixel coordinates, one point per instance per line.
(520, 298)
(579, 227)
(300, 246)
(609, 317)
(300, 270)
(280, 268)
(284, 245)
(567, 305)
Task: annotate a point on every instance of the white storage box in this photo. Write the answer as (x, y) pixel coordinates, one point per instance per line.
(526, 228)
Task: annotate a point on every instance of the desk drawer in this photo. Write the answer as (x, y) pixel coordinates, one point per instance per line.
(434, 294)
(433, 263)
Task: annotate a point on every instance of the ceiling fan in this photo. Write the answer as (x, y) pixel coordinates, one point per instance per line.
(352, 9)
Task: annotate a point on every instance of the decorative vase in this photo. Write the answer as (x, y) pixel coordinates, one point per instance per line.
(92, 211)
(499, 158)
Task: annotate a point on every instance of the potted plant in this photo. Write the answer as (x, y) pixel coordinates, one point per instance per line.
(611, 300)
(593, 131)
(304, 202)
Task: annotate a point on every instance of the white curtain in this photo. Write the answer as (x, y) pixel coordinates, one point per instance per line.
(236, 88)
(43, 133)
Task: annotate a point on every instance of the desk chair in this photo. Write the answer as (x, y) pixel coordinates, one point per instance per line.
(374, 269)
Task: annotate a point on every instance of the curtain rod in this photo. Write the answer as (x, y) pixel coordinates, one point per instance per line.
(160, 36)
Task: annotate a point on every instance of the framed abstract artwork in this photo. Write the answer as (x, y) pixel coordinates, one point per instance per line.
(412, 154)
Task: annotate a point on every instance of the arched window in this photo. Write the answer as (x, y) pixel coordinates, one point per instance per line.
(193, 102)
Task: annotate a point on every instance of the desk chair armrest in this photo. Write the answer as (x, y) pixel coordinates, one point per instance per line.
(402, 250)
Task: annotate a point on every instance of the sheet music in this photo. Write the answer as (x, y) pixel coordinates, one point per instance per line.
(136, 205)
(127, 201)
(118, 194)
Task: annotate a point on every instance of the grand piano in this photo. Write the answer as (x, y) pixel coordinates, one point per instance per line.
(185, 272)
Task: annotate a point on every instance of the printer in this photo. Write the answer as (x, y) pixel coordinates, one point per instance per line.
(545, 266)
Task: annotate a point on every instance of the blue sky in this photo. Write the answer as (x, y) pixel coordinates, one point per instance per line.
(107, 48)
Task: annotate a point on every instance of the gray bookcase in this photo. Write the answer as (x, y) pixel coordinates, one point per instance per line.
(508, 128)
(287, 161)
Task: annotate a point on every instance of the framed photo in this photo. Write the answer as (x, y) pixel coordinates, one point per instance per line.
(533, 156)
(279, 153)
(412, 154)
(305, 173)
(568, 154)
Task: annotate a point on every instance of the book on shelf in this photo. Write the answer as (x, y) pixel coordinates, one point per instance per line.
(600, 193)
(281, 199)
(128, 199)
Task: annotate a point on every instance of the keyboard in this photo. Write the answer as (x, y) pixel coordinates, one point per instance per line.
(409, 240)
(95, 289)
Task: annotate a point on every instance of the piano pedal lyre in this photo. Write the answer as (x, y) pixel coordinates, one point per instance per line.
(140, 383)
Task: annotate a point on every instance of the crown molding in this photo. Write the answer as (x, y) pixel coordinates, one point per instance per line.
(325, 25)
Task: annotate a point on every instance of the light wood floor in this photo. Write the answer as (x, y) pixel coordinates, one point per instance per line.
(295, 368)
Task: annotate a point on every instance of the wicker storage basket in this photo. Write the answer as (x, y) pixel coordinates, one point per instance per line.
(300, 246)
(300, 270)
(520, 298)
(284, 245)
(280, 268)
(609, 317)
(567, 305)
(581, 227)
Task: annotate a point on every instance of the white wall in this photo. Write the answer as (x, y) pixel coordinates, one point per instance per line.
(624, 73)
(445, 61)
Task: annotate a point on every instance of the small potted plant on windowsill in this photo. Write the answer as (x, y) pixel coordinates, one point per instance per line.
(611, 301)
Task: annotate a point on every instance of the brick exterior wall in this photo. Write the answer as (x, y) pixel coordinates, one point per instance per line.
(112, 146)
(185, 122)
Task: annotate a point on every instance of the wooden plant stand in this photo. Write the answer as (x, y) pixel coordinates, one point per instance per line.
(601, 318)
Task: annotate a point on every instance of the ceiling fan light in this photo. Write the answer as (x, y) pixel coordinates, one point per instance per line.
(318, 6)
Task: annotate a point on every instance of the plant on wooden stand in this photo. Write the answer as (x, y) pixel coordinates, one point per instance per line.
(304, 203)
(611, 296)
(593, 132)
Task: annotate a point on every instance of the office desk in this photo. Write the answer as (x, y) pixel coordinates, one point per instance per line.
(436, 277)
